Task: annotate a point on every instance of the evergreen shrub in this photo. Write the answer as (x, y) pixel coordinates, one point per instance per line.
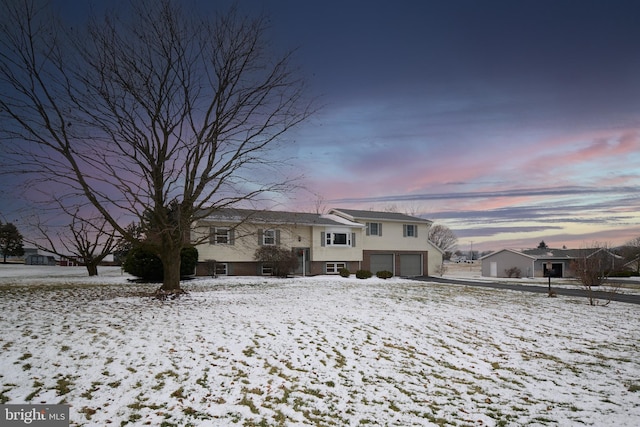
(363, 274)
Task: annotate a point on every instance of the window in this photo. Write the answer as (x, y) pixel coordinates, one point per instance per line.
(374, 229)
(221, 236)
(410, 230)
(334, 267)
(221, 269)
(269, 237)
(267, 270)
(338, 239)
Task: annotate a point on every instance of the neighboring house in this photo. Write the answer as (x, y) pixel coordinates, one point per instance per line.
(533, 262)
(36, 259)
(323, 243)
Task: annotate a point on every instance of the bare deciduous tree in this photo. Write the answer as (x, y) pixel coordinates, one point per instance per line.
(593, 267)
(151, 114)
(86, 241)
(443, 237)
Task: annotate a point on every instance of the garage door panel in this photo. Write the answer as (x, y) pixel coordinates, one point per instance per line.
(411, 265)
(381, 262)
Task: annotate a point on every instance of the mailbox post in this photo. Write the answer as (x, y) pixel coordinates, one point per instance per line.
(549, 270)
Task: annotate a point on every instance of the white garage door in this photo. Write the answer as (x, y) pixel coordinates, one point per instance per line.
(411, 265)
(381, 262)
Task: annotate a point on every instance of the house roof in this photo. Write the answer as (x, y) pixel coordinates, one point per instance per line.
(565, 253)
(557, 254)
(353, 214)
(277, 217)
(507, 250)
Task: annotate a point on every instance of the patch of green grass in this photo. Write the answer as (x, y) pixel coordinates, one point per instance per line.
(313, 392)
(3, 398)
(191, 412)
(254, 390)
(203, 381)
(88, 412)
(341, 361)
(160, 376)
(179, 393)
(63, 385)
(279, 417)
(95, 386)
(246, 401)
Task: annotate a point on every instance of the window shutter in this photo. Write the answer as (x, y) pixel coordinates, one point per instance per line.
(277, 237)
(353, 240)
(232, 236)
(415, 230)
(260, 237)
(322, 238)
(368, 233)
(404, 230)
(380, 229)
(212, 235)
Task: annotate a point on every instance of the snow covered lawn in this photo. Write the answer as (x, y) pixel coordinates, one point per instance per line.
(313, 351)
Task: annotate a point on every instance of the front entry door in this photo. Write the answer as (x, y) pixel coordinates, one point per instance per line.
(304, 255)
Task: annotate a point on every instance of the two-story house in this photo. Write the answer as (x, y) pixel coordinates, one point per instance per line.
(324, 243)
(395, 242)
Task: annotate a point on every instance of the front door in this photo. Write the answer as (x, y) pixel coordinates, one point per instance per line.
(304, 256)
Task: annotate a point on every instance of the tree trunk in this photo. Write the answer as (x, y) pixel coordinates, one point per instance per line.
(170, 258)
(92, 269)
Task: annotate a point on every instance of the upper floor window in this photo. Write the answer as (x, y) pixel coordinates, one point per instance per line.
(269, 237)
(374, 229)
(221, 236)
(410, 230)
(338, 239)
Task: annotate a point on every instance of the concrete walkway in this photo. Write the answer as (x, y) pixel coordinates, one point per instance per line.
(559, 290)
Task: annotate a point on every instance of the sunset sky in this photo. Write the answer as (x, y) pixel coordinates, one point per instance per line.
(510, 122)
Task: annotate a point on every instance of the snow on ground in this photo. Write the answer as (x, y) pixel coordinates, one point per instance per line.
(313, 351)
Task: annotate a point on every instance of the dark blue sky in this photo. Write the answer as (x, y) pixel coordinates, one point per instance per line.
(509, 121)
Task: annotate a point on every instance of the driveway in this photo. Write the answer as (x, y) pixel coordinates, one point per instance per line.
(559, 290)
